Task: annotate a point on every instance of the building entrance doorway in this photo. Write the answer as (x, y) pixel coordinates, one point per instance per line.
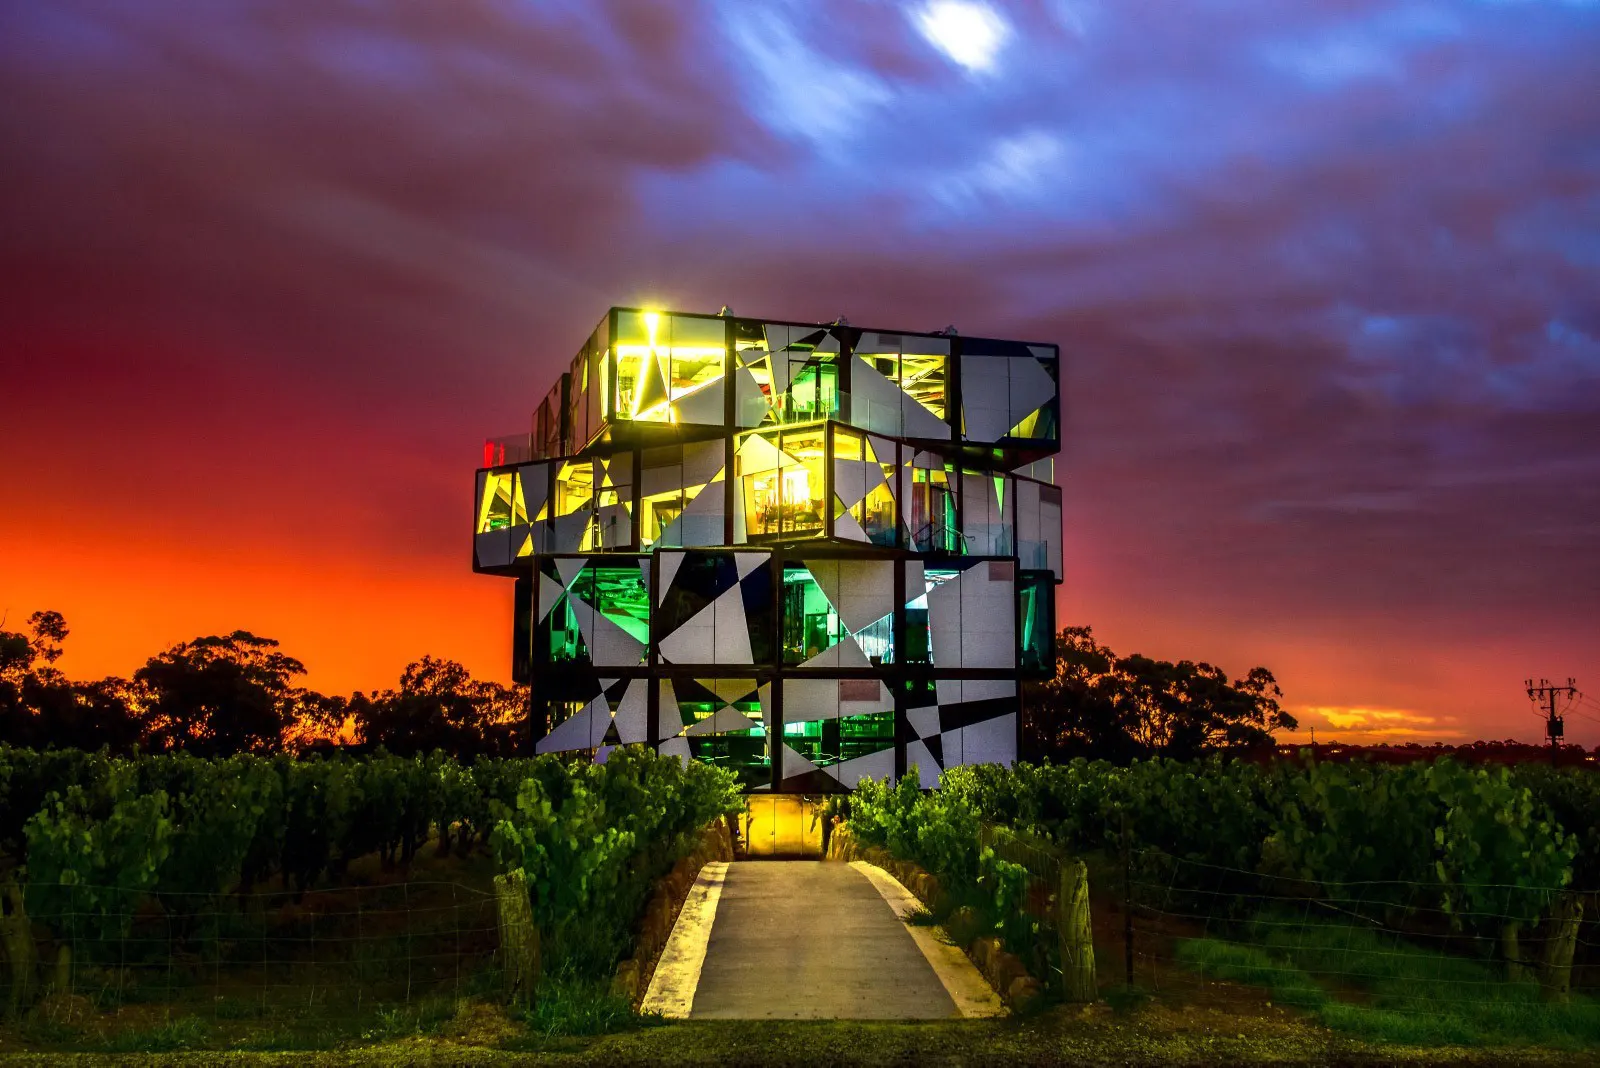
(781, 825)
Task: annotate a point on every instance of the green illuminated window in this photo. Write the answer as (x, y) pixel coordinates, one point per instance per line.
(810, 623)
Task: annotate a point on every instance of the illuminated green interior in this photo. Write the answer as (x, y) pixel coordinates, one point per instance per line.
(744, 752)
(619, 593)
(832, 741)
(1037, 644)
(811, 625)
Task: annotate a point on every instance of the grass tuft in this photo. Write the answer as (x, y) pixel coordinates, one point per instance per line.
(186, 1032)
(570, 1007)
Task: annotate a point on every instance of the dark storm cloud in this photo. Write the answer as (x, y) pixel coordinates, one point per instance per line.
(1325, 273)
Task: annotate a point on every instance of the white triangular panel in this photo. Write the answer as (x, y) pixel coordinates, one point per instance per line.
(678, 747)
(985, 397)
(758, 454)
(550, 591)
(957, 691)
(874, 400)
(744, 563)
(865, 592)
(609, 645)
(795, 764)
(845, 653)
(846, 527)
(1031, 388)
(723, 719)
(567, 532)
(850, 480)
(703, 462)
(702, 406)
(945, 638)
(991, 741)
(915, 584)
(777, 336)
(695, 640)
(806, 699)
(925, 721)
(493, 549)
(700, 523)
(826, 574)
(749, 402)
(535, 479)
(583, 730)
(717, 634)
(730, 690)
(919, 422)
(671, 723)
(917, 756)
(670, 562)
(733, 630)
(633, 712)
(879, 765)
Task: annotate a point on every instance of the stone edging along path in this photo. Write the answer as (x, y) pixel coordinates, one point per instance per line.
(672, 895)
(1004, 970)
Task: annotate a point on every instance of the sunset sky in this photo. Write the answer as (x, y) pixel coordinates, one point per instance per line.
(1325, 276)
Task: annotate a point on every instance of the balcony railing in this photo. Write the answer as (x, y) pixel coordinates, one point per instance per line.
(508, 449)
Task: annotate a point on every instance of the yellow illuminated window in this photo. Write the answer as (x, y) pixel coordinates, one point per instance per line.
(496, 510)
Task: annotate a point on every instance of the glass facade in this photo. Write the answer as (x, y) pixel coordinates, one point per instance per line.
(808, 553)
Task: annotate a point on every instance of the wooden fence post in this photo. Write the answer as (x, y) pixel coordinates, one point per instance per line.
(1555, 963)
(16, 938)
(1076, 933)
(519, 937)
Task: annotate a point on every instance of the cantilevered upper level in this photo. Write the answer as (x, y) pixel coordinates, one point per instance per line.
(654, 377)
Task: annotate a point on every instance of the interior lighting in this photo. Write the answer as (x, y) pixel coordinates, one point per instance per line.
(797, 484)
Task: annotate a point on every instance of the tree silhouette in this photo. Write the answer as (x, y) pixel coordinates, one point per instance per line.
(1124, 708)
(42, 709)
(219, 695)
(440, 706)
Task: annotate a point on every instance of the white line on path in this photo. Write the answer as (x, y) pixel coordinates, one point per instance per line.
(677, 975)
(962, 981)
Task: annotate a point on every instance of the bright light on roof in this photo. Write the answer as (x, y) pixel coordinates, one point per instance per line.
(970, 32)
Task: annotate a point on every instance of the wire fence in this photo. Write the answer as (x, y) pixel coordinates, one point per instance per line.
(1385, 947)
(343, 949)
(1365, 953)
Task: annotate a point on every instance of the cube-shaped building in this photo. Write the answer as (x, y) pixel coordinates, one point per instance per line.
(806, 552)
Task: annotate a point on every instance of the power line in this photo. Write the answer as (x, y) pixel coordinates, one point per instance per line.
(1555, 726)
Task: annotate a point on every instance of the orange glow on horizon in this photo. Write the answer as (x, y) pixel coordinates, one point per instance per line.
(354, 624)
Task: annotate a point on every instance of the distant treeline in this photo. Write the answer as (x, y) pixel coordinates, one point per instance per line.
(220, 695)
(1506, 752)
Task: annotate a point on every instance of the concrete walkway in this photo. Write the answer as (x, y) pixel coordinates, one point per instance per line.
(809, 939)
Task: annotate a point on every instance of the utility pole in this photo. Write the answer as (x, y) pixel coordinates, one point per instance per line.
(1554, 726)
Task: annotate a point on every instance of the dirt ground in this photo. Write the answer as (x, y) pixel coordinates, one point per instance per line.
(1153, 1034)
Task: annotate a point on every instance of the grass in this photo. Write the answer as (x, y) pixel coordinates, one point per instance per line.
(1125, 999)
(186, 1032)
(403, 1021)
(1406, 994)
(570, 1006)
